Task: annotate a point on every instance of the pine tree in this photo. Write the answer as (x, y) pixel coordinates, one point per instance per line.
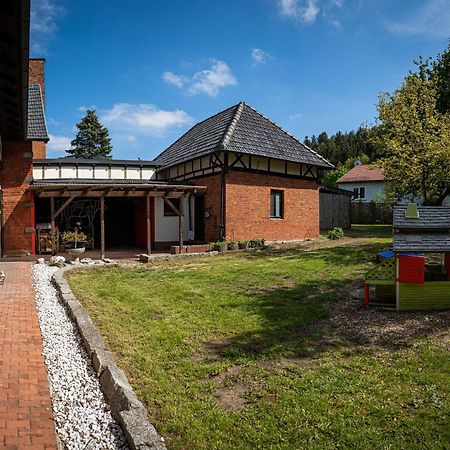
(92, 139)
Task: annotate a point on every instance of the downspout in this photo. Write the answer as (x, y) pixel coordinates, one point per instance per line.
(223, 196)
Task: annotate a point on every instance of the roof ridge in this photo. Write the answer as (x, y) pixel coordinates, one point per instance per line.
(289, 134)
(231, 126)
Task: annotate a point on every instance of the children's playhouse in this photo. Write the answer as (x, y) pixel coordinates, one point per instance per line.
(416, 275)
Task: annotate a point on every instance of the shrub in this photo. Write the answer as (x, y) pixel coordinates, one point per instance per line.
(335, 234)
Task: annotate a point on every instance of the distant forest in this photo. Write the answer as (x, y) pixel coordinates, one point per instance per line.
(342, 149)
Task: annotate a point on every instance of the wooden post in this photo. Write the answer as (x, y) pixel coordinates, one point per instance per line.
(181, 223)
(102, 227)
(149, 237)
(52, 220)
(366, 296)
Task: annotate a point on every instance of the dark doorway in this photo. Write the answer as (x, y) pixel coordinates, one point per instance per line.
(199, 208)
(119, 224)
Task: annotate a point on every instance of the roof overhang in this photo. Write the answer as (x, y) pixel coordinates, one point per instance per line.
(112, 188)
(14, 55)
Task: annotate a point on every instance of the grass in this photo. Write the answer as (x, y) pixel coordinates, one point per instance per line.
(226, 353)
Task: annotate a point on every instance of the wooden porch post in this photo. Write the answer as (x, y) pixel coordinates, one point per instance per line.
(102, 227)
(52, 220)
(181, 223)
(149, 237)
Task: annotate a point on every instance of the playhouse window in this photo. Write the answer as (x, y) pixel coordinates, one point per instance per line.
(359, 193)
(276, 204)
(168, 211)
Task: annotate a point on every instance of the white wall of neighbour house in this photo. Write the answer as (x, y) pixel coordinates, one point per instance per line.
(374, 189)
(166, 227)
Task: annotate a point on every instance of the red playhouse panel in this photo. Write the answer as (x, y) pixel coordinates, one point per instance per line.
(447, 265)
(411, 269)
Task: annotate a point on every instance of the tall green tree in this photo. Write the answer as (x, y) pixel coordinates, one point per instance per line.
(92, 139)
(416, 138)
(441, 71)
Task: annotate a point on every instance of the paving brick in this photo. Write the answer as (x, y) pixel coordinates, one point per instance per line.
(26, 419)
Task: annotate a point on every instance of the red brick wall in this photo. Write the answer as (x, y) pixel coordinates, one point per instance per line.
(36, 74)
(39, 150)
(18, 205)
(248, 207)
(212, 206)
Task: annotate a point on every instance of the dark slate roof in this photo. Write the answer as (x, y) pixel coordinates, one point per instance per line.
(422, 242)
(430, 217)
(240, 129)
(70, 160)
(36, 126)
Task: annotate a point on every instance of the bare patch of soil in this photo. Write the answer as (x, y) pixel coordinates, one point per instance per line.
(378, 328)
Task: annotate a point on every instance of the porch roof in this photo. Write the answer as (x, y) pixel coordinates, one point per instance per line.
(61, 187)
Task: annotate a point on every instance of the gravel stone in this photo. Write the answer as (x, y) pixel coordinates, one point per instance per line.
(82, 417)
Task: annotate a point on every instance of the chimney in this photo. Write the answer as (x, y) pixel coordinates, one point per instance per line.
(36, 73)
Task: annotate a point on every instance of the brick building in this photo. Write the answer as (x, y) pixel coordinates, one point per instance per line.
(234, 176)
(262, 182)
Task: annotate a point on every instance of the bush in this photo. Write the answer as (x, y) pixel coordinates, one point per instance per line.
(335, 234)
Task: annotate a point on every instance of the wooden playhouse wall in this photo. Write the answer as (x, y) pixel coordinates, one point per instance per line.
(433, 295)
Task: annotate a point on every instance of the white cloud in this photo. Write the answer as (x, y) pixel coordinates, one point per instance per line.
(58, 144)
(148, 119)
(260, 56)
(174, 79)
(431, 19)
(208, 81)
(296, 116)
(43, 17)
(302, 11)
(338, 3)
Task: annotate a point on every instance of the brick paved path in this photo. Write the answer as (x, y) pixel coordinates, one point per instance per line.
(26, 418)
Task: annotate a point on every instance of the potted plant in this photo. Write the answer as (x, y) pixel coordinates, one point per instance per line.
(74, 242)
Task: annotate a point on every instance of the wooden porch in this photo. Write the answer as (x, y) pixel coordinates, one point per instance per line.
(69, 191)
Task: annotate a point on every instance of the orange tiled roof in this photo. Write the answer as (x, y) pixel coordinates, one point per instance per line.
(364, 172)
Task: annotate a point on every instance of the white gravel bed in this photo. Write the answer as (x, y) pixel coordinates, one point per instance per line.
(82, 417)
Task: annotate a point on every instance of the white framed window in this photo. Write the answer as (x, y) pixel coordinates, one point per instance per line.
(359, 193)
(276, 204)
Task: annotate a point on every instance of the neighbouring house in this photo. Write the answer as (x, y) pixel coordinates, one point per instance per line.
(365, 181)
(234, 176)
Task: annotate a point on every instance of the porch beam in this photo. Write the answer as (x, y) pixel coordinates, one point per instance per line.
(172, 206)
(149, 238)
(102, 227)
(52, 220)
(64, 205)
(181, 223)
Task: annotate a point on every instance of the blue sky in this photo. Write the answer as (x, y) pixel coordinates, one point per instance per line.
(154, 68)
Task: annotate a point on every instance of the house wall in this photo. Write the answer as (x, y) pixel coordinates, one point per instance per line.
(18, 205)
(94, 171)
(166, 227)
(374, 189)
(248, 207)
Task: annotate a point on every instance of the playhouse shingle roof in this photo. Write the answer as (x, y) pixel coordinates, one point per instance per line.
(430, 217)
(36, 126)
(239, 129)
(422, 242)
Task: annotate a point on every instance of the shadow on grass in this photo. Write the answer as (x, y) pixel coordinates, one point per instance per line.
(319, 316)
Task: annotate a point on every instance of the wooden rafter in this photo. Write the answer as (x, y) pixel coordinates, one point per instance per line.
(64, 206)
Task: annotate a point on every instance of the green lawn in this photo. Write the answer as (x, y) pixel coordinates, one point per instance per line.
(234, 352)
